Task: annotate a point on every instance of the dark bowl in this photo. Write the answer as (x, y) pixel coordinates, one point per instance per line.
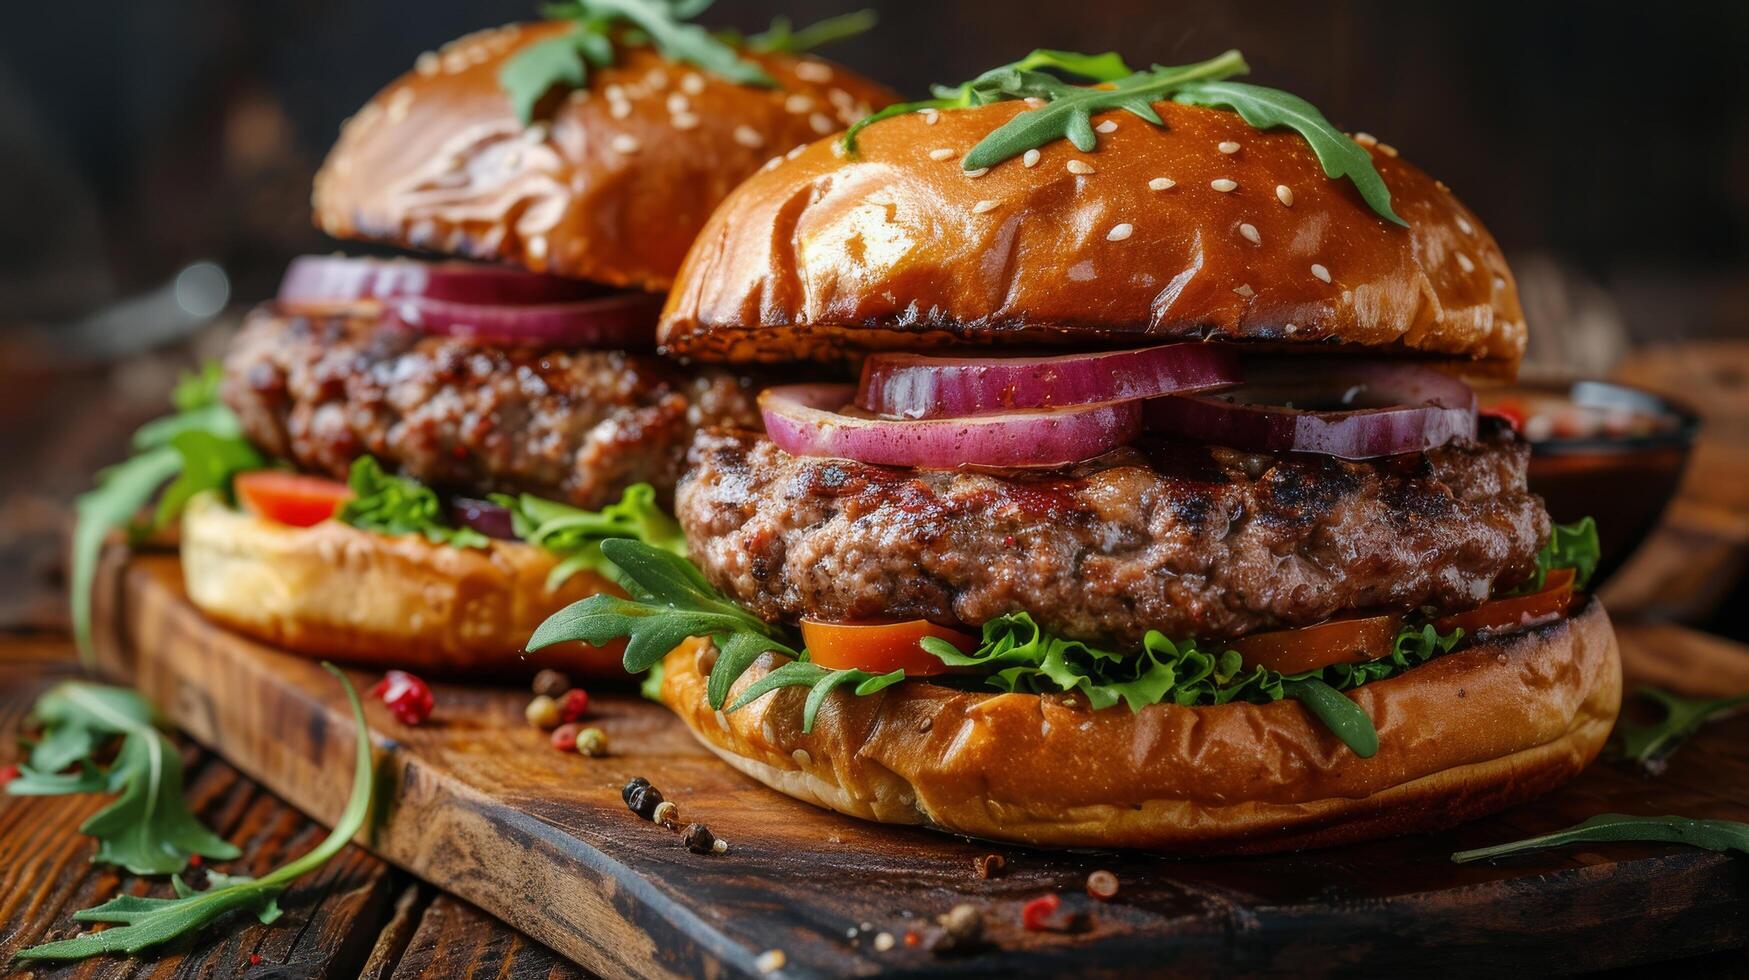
(1624, 479)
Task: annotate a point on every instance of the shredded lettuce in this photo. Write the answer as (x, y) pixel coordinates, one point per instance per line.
(576, 534)
(1572, 546)
(397, 505)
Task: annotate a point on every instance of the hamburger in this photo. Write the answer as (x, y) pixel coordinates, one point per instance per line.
(1161, 515)
(410, 461)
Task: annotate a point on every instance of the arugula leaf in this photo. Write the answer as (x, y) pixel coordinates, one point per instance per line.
(819, 680)
(564, 61)
(148, 829)
(1713, 835)
(121, 492)
(397, 505)
(780, 38)
(576, 534)
(1267, 108)
(1572, 546)
(1651, 745)
(140, 923)
(208, 463)
(671, 602)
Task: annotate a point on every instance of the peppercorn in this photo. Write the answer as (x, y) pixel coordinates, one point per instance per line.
(9, 773)
(592, 742)
(699, 839)
(642, 798)
(1035, 915)
(573, 703)
(542, 712)
(551, 683)
(409, 698)
(564, 738)
(962, 929)
(666, 814)
(1102, 885)
(990, 865)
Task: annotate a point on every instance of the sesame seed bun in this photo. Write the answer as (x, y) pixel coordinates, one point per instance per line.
(1161, 233)
(1464, 735)
(338, 593)
(605, 188)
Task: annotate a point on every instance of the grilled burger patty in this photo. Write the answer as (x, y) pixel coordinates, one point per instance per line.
(1193, 541)
(577, 426)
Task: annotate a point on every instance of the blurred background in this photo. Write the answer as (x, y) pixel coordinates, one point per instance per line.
(156, 158)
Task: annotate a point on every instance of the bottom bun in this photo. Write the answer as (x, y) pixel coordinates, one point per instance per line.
(1466, 734)
(359, 597)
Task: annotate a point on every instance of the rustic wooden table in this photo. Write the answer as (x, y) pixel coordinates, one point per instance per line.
(359, 915)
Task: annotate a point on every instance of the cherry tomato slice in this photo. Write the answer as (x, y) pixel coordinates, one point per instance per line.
(1340, 641)
(880, 648)
(1514, 611)
(291, 498)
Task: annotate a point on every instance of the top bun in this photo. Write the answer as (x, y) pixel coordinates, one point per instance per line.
(438, 160)
(827, 257)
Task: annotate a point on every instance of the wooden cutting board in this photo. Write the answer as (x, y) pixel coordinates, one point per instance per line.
(476, 802)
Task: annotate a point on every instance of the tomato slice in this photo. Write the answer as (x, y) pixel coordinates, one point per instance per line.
(291, 498)
(1340, 641)
(880, 648)
(1514, 611)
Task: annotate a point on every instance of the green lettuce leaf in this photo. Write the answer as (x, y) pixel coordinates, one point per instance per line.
(397, 505)
(575, 534)
(1572, 546)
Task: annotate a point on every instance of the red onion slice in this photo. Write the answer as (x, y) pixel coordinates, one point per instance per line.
(339, 279)
(914, 386)
(483, 516)
(1423, 409)
(803, 421)
(620, 320)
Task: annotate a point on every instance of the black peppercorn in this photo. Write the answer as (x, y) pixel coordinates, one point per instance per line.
(641, 798)
(699, 839)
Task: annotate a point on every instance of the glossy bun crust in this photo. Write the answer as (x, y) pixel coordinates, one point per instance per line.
(336, 592)
(438, 161)
(1462, 736)
(827, 257)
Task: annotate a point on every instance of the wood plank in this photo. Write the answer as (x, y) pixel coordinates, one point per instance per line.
(483, 808)
(456, 940)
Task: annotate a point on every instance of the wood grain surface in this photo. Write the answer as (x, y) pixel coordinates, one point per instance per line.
(483, 808)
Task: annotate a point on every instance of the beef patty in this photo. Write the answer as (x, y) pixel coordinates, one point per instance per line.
(576, 426)
(1193, 541)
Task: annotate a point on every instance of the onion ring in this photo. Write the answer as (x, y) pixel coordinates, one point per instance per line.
(341, 279)
(619, 320)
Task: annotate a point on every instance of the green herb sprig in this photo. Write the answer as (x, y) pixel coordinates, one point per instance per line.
(564, 61)
(780, 38)
(390, 504)
(1713, 835)
(148, 829)
(1068, 110)
(141, 923)
(1651, 745)
(575, 534)
(199, 447)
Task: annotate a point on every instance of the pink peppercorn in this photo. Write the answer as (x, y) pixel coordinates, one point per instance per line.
(573, 703)
(408, 697)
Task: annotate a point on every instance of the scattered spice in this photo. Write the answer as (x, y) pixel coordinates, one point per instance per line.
(592, 742)
(409, 698)
(194, 860)
(666, 814)
(641, 798)
(990, 865)
(913, 938)
(770, 961)
(1102, 885)
(551, 683)
(573, 704)
(699, 840)
(542, 712)
(962, 929)
(884, 941)
(254, 959)
(564, 738)
(8, 773)
(1036, 915)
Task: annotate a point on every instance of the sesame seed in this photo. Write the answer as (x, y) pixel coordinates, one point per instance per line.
(1249, 231)
(822, 123)
(692, 83)
(814, 71)
(678, 103)
(624, 143)
(619, 108)
(1029, 158)
(1080, 167)
(1464, 263)
(683, 120)
(1224, 185)
(802, 757)
(770, 961)
(981, 171)
(1244, 289)
(535, 134)
(1285, 195)
(1290, 328)
(427, 63)
(983, 206)
(537, 247)
(772, 163)
(798, 104)
(1366, 139)
(841, 99)
(1228, 147)
(1162, 184)
(940, 153)
(1465, 227)
(884, 941)
(614, 93)
(931, 116)
(795, 151)
(1499, 282)
(1320, 272)
(1387, 149)
(1119, 232)
(1108, 126)
(749, 137)
(656, 78)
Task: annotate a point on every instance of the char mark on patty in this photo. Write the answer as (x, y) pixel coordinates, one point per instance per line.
(1191, 540)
